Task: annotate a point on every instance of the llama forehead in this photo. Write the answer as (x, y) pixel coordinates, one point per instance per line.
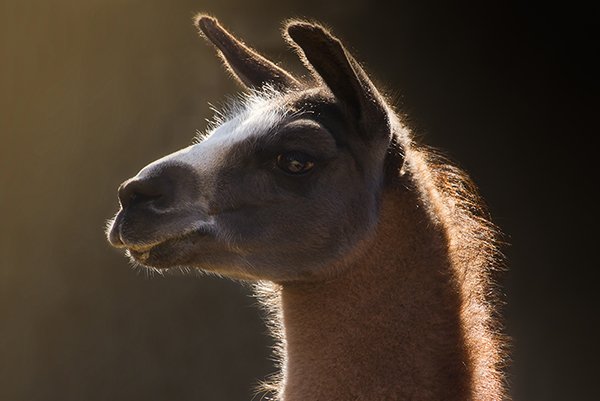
(255, 117)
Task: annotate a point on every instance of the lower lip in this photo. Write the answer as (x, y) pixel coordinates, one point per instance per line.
(153, 252)
(141, 256)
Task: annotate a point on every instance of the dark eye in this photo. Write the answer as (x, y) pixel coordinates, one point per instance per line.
(295, 162)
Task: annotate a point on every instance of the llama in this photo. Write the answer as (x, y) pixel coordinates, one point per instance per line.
(373, 254)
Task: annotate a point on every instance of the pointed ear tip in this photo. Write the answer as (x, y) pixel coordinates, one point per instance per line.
(297, 29)
(294, 26)
(205, 21)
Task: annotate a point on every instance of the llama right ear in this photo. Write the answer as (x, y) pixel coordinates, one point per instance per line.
(329, 61)
(249, 67)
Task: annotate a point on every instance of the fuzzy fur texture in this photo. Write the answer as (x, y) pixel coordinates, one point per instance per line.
(414, 317)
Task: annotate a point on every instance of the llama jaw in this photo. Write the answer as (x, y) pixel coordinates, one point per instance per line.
(148, 250)
(141, 253)
(168, 252)
(140, 256)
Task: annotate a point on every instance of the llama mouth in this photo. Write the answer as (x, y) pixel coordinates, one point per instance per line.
(160, 253)
(142, 253)
(140, 256)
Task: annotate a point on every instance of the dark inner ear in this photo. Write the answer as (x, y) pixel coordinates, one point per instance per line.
(328, 59)
(252, 69)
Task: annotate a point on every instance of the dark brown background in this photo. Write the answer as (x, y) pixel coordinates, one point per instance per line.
(93, 90)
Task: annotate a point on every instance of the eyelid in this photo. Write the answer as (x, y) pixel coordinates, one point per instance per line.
(316, 147)
(303, 123)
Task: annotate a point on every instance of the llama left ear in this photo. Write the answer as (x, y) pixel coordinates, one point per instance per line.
(328, 60)
(245, 64)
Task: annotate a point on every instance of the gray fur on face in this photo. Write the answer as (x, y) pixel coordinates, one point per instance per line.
(228, 206)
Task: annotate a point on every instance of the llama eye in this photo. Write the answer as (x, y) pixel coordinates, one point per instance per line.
(295, 162)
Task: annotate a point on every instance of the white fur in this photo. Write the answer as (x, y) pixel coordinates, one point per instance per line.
(250, 117)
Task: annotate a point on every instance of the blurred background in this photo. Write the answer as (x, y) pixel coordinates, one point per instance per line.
(91, 91)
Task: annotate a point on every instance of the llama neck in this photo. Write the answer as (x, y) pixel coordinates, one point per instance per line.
(389, 327)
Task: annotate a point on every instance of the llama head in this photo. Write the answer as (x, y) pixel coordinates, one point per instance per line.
(282, 186)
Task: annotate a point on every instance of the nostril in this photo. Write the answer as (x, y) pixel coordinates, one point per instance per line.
(137, 198)
(161, 188)
(135, 192)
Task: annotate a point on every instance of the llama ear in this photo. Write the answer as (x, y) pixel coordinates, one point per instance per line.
(249, 67)
(327, 58)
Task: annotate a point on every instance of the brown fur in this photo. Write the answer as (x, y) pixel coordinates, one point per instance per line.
(412, 318)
